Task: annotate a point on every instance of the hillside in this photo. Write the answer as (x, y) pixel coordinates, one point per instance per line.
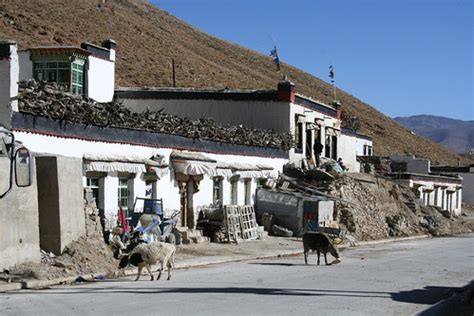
(149, 38)
(456, 135)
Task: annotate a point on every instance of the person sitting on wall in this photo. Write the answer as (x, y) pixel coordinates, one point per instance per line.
(341, 164)
(318, 149)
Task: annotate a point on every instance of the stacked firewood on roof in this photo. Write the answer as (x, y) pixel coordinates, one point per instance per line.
(49, 100)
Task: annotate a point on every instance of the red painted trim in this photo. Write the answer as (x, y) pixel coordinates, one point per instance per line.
(33, 131)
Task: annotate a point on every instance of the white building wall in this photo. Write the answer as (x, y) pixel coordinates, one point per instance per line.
(167, 187)
(360, 143)
(310, 116)
(226, 189)
(100, 79)
(254, 114)
(9, 76)
(204, 196)
(445, 194)
(26, 65)
(347, 151)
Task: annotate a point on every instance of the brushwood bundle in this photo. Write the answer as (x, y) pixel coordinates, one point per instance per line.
(50, 100)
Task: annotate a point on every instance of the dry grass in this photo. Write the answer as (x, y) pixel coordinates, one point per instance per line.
(149, 38)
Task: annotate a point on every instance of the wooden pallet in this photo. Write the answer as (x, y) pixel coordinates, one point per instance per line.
(241, 223)
(248, 223)
(232, 222)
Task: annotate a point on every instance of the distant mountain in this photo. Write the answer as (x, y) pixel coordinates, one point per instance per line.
(456, 135)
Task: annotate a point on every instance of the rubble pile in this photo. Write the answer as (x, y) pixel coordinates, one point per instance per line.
(88, 255)
(49, 100)
(93, 220)
(381, 208)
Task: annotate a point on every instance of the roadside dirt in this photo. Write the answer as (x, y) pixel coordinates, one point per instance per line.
(256, 247)
(81, 257)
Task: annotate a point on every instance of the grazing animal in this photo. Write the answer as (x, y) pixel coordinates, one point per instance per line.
(144, 255)
(319, 242)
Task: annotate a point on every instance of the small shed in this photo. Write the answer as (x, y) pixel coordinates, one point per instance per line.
(293, 210)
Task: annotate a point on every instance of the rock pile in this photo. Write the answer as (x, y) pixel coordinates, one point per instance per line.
(49, 100)
(382, 208)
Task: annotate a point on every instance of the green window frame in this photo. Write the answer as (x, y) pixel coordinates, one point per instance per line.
(66, 74)
(123, 193)
(52, 71)
(77, 82)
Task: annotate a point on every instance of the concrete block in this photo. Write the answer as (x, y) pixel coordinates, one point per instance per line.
(61, 203)
(7, 287)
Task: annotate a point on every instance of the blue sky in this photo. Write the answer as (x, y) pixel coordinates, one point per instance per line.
(404, 57)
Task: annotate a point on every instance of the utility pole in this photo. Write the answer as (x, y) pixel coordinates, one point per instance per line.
(174, 72)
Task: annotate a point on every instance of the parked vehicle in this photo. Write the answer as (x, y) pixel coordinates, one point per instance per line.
(150, 224)
(17, 165)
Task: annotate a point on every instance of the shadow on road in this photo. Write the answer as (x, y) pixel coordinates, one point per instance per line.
(428, 295)
(283, 264)
(214, 290)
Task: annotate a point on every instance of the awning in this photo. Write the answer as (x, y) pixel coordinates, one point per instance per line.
(190, 163)
(119, 163)
(244, 170)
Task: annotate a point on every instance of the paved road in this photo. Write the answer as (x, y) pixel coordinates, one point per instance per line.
(390, 279)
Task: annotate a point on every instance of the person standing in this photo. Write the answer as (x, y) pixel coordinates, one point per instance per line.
(317, 149)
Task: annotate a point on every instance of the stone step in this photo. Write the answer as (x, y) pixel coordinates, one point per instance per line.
(201, 240)
(189, 234)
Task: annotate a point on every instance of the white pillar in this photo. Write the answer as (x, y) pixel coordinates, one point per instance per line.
(110, 200)
(9, 76)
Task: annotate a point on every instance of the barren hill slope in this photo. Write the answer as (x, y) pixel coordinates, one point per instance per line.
(149, 38)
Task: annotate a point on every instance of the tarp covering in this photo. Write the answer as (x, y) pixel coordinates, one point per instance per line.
(120, 163)
(244, 170)
(186, 155)
(122, 158)
(104, 166)
(192, 167)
